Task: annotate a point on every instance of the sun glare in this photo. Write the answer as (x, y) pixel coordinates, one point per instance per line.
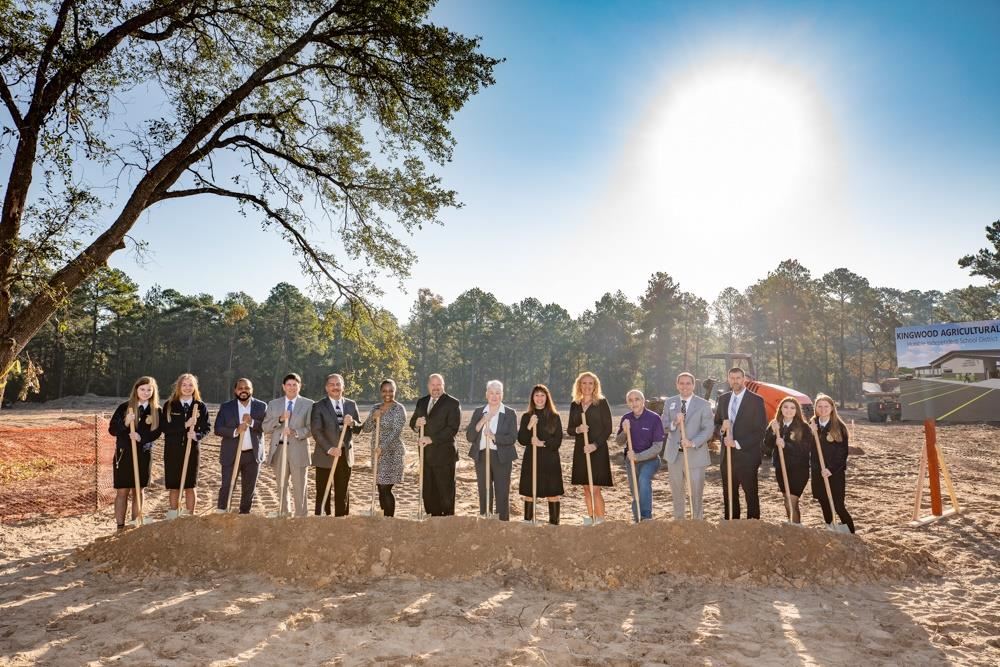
(744, 144)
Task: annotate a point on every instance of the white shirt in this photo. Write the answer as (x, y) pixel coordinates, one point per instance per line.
(245, 443)
(492, 426)
(823, 423)
(338, 404)
(687, 406)
(734, 408)
(185, 404)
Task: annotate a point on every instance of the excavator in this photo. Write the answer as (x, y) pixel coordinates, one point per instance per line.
(770, 392)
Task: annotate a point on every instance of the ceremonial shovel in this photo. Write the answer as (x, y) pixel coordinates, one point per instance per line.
(420, 477)
(784, 476)
(726, 426)
(590, 471)
(283, 471)
(687, 468)
(375, 457)
(534, 475)
(489, 505)
(181, 500)
(236, 470)
(635, 479)
(835, 526)
(333, 468)
(139, 519)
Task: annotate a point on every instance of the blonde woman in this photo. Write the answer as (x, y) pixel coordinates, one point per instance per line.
(827, 425)
(179, 425)
(588, 400)
(142, 409)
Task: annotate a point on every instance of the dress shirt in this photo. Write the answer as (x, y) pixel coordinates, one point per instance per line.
(492, 426)
(245, 443)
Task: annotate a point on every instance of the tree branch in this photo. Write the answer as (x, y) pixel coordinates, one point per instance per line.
(300, 240)
(8, 100)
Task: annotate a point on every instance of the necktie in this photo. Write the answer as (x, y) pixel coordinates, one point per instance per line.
(340, 413)
(290, 406)
(734, 407)
(684, 411)
(431, 406)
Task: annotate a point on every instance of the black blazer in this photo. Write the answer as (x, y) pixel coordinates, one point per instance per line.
(442, 426)
(147, 435)
(549, 431)
(174, 432)
(505, 438)
(748, 429)
(834, 453)
(325, 430)
(598, 420)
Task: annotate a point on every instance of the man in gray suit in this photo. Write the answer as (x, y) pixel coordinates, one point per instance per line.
(329, 416)
(696, 413)
(287, 422)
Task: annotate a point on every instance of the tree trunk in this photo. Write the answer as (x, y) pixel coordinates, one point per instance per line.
(89, 373)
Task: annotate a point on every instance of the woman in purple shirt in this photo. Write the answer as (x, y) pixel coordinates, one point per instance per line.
(647, 441)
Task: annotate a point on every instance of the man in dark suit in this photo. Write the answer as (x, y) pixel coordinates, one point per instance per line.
(240, 424)
(440, 415)
(329, 416)
(747, 416)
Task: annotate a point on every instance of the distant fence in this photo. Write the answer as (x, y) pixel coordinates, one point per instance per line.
(59, 470)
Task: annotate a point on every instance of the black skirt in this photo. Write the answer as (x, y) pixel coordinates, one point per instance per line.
(600, 465)
(798, 476)
(173, 461)
(550, 481)
(122, 471)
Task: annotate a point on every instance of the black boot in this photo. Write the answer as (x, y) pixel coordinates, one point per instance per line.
(554, 513)
(529, 510)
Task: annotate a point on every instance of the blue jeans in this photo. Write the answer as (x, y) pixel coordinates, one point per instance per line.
(645, 471)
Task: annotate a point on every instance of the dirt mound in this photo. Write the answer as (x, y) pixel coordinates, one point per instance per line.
(321, 551)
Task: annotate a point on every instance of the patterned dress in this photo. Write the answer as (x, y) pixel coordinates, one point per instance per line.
(390, 462)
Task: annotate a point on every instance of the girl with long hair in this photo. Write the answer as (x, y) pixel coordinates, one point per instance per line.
(832, 432)
(141, 410)
(789, 432)
(179, 426)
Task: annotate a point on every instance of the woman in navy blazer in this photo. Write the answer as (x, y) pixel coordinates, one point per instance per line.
(494, 428)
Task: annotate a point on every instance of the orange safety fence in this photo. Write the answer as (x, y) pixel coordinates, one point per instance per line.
(58, 470)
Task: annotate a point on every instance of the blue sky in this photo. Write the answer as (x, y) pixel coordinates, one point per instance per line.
(708, 140)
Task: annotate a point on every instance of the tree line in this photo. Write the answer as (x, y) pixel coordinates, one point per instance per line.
(814, 333)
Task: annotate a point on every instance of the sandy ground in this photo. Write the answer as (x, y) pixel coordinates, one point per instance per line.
(224, 590)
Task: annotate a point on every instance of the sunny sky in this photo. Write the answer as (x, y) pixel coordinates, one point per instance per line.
(708, 140)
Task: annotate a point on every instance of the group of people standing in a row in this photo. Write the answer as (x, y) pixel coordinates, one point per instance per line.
(678, 438)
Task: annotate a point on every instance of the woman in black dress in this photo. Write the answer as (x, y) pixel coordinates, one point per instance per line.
(178, 426)
(143, 409)
(833, 440)
(588, 400)
(543, 416)
(789, 432)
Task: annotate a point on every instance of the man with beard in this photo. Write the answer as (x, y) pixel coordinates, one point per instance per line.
(747, 416)
(240, 424)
